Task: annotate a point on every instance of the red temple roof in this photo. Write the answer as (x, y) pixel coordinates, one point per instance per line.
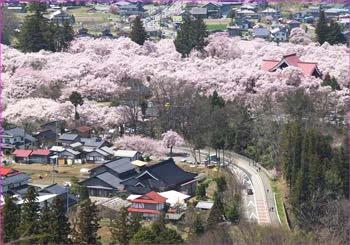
(307, 68)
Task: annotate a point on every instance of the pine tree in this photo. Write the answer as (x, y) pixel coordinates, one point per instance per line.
(59, 228)
(10, 220)
(76, 99)
(45, 222)
(322, 28)
(191, 35)
(119, 227)
(330, 81)
(197, 226)
(87, 224)
(216, 213)
(335, 34)
(138, 33)
(199, 34)
(83, 193)
(144, 236)
(29, 226)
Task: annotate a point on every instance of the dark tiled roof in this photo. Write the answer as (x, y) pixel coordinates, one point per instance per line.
(170, 173)
(93, 142)
(15, 179)
(121, 165)
(47, 134)
(68, 137)
(109, 179)
(54, 189)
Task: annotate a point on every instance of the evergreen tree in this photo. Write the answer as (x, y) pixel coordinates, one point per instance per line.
(45, 222)
(197, 226)
(216, 101)
(335, 34)
(144, 236)
(83, 193)
(138, 33)
(86, 227)
(168, 236)
(201, 191)
(330, 81)
(221, 184)
(59, 228)
(29, 226)
(191, 35)
(124, 227)
(76, 99)
(322, 29)
(10, 220)
(216, 213)
(199, 34)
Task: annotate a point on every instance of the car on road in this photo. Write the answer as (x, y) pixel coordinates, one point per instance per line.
(250, 192)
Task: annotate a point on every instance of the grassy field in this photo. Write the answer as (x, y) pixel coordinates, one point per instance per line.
(220, 27)
(63, 174)
(277, 187)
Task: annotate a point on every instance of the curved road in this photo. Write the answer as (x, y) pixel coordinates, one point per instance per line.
(258, 204)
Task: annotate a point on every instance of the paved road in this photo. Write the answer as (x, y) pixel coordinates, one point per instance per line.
(258, 204)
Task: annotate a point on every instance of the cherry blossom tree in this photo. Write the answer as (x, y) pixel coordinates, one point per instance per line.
(141, 144)
(298, 36)
(172, 139)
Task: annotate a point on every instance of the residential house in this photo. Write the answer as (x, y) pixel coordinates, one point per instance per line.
(106, 180)
(131, 9)
(54, 126)
(252, 7)
(94, 143)
(97, 156)
(21, 156)
(335, 12)
(68, 156)
(152, 32)
(82, 131)
(163, 176)
(234, 31)
(199, 12)
(314, 11)
(16, 9)
(213, 10)
(308, 68)
(174, 198)
(259, 31)
(60, 16)
(279, 35)
(83, 33)
(132, 155)
(271, 12)
(344, 22)
(11, 179)
(61, 192)
(150, 205)
(46, 138)
(250, 14)
(293, 24)
(16, 138)
(243, 23)
(40, 156)
(68, 139)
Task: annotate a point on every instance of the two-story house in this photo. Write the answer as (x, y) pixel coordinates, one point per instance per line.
(12, 179)
(150, 205)
(16, 138)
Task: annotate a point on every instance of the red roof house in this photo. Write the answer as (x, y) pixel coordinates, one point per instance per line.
(40, 152)
(22, 153)
(308, 68)
(149, 204)
(7, 172)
